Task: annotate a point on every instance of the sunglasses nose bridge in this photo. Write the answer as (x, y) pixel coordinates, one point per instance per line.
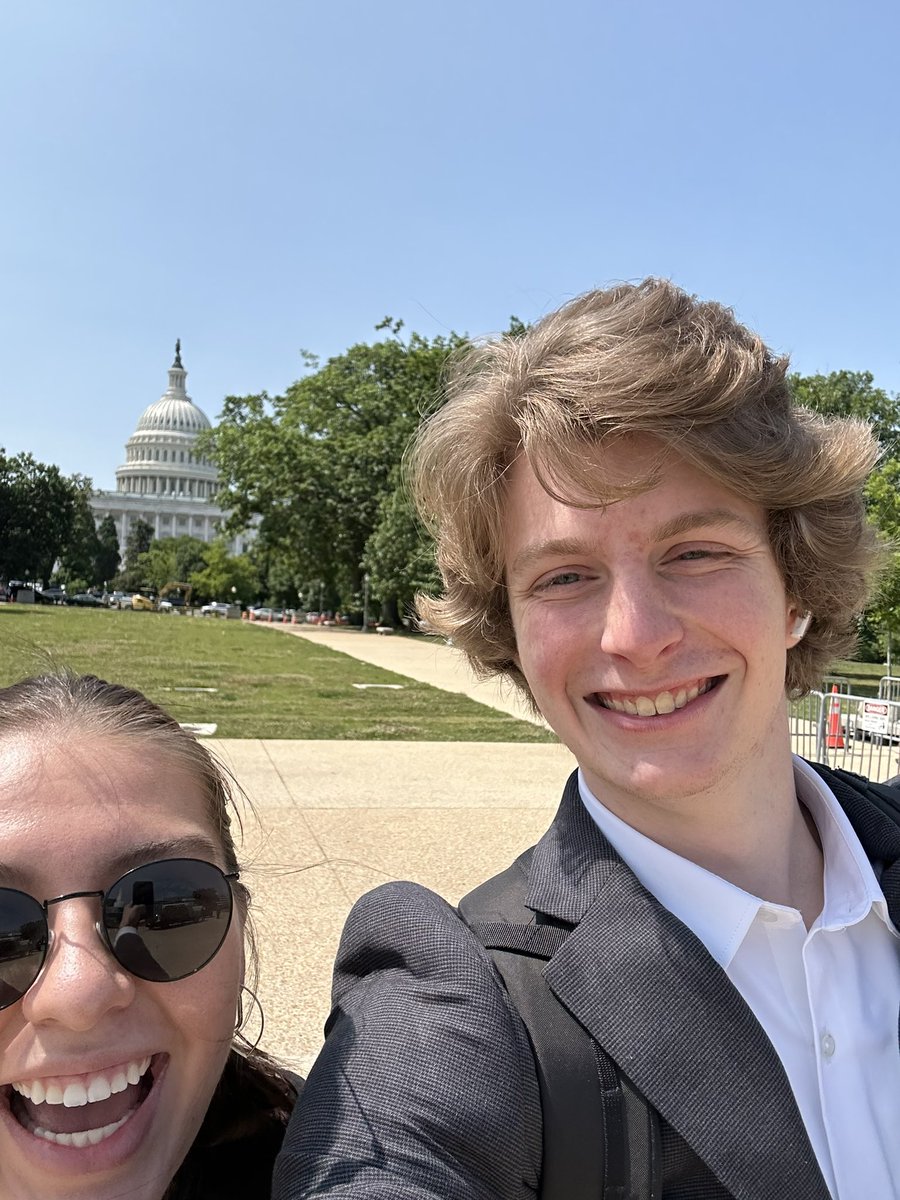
(97, 922)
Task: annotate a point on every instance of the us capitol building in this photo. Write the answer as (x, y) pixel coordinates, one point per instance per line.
(165, 480)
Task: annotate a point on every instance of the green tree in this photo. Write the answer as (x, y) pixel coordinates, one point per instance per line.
(140, 536)
(399, 555)
(852, 394)
(171, 560)
(227, 577)
(37, 512)
(318, 464)
(78, 559)
(883, 498)
(106, 562)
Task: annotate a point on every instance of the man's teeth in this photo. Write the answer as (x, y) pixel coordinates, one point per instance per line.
(76, 1094)
(665, 702)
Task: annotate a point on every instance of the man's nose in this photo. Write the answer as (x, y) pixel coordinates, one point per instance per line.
(639, 621)
(80, 981)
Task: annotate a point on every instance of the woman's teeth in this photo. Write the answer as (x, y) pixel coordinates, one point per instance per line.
(76, 1094)
(653, 706)
(80, 1137)
(44, 1101)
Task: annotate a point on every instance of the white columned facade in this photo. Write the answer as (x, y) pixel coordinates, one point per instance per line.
(165, 480)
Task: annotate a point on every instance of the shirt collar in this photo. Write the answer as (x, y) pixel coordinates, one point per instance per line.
(851, 885)
(717, 911)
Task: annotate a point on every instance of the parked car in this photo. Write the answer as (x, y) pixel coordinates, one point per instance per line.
(50, 595)
(118, 600)
(215, 609)
(84, 600)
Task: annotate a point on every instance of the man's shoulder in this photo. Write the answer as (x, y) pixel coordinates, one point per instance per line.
(406, 930)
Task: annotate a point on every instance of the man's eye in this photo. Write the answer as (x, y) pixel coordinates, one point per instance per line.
(562, 579)
(699, 554)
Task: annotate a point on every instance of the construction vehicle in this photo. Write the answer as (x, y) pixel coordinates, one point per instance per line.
(181, 597)
(143, 602)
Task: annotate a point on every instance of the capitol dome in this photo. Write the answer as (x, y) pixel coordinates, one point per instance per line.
(170, 412)
(162, 458)
(166, 481)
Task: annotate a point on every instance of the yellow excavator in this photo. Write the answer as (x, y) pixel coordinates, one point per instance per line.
(182, 596)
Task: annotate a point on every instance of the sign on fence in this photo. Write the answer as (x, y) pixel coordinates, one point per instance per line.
(857, 733)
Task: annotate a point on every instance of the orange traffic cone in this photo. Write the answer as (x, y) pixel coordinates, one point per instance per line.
(269, 622)
(835, 738)
(294, 620)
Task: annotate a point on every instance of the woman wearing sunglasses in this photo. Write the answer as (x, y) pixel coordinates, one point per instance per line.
(122, 942)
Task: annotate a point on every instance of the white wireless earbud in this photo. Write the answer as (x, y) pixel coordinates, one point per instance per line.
(801, 625)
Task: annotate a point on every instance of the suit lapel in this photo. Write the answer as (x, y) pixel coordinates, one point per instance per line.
(650, 993)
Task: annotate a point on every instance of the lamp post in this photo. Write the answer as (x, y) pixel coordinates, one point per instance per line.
(365, 627)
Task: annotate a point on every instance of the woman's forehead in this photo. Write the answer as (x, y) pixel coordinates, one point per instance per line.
(99, 796)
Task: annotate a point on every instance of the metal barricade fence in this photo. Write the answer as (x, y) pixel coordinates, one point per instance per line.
(858, 733)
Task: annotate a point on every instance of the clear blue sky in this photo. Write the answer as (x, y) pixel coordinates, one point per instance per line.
(257, 178)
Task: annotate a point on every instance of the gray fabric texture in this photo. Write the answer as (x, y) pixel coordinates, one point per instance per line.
(426, 1086)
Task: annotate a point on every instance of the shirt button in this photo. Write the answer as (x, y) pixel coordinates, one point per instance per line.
(767, 915)
(827, 1045)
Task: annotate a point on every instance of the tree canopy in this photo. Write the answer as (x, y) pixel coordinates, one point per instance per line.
(37, 515)
(318, 465)
(853, 394)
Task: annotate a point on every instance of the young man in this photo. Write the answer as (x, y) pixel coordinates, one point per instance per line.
(636, 526)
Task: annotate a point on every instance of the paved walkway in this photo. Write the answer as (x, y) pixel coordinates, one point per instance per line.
(335, 818)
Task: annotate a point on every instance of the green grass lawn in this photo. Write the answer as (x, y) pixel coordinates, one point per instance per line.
(269, 685)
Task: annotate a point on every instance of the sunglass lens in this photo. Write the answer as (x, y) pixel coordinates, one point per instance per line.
(23, 944)
(167, 920)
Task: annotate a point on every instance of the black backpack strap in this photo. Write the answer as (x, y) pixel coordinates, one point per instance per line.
(884, 796)
(600, 1137)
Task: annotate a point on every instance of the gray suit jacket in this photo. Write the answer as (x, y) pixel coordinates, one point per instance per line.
(426, 1085)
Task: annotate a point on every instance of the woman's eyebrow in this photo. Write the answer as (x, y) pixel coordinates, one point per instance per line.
(138, 855)
(193, 846)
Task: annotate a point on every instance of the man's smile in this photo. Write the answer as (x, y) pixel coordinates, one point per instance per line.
(653, 704)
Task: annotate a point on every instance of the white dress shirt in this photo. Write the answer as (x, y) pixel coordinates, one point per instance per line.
(828, 998)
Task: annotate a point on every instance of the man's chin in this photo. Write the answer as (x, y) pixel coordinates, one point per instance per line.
(657, 783)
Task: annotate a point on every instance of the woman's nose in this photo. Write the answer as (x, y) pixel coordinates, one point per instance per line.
(80, 981)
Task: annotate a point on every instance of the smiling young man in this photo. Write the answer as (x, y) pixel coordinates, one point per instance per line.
(638, 528)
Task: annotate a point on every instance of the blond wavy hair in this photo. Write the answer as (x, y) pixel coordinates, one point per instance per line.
(641, 358)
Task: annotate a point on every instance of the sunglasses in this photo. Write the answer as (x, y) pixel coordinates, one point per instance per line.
(161, 922)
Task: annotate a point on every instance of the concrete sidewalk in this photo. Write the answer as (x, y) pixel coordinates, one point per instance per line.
(336, 818)
(428, 660)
